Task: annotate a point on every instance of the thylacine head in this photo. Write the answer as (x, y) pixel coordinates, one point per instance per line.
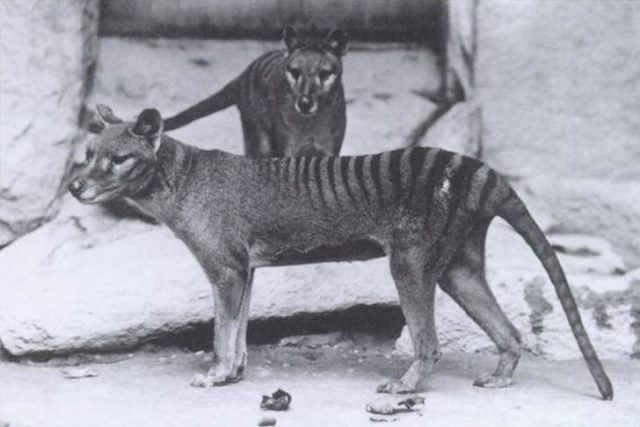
(122, 161)
(312, 70)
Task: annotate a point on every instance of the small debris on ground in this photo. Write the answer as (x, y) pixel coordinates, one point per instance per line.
(388, 405)
(278, 401)
(267, 421)
(75, 373)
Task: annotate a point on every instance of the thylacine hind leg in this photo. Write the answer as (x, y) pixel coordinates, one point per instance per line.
(416, 288)
(464, 280)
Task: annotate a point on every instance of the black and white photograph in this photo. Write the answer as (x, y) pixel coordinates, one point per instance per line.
(320, 213)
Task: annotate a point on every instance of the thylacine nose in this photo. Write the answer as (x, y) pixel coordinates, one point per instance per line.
(305, 104)
(76, 186)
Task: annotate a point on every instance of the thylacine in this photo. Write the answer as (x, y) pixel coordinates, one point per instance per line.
(291, 103)
(427, 209)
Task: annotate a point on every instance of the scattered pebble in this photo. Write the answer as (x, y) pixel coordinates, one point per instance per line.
(286, 365)
(75, 373)
(388, 405)
(267, 421)
(278, 401)
(360, 360)
(199, 353)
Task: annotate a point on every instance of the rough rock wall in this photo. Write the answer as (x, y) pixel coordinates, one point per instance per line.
(558, 82)
(47, 47)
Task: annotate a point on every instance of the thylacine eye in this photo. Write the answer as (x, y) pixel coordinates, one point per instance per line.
(88, 156)
(294, 72)
(118, 160)
(325, 74)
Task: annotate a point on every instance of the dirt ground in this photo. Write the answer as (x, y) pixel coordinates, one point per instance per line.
(330, 386)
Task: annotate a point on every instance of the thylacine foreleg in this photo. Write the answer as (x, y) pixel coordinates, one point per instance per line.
(231, 285)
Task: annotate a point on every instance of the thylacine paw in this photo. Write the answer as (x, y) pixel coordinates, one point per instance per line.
(212, 379)
(492, 381)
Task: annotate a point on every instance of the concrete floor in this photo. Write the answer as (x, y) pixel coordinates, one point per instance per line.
(329, 387)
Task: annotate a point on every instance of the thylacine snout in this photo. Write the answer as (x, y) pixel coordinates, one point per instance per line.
(306, 105)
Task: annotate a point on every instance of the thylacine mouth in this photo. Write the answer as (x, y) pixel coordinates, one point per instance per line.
(309, 113)
(98, 198)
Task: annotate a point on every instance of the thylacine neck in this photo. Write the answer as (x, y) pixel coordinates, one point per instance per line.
(159, 197)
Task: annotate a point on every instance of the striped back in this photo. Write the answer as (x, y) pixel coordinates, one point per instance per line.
(412, 179)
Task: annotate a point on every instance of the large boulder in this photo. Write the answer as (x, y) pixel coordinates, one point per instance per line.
(459, 130)
(541, 71)
(559, 100)
(597, 206)
(87, 281)
(46, 50)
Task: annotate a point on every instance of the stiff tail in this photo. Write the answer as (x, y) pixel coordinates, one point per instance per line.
(516, 214)
(216, 102)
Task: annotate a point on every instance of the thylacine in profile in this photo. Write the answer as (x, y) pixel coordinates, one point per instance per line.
(291, 103)
(427, 209)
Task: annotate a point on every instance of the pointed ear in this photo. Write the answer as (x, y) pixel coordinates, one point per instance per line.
(102, 118)
(106, 116)
(149, 126)
(290, 39)
(336, 42)
(96, 125)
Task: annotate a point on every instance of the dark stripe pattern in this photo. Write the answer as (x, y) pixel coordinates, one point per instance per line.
(359, 171)
(395, 172)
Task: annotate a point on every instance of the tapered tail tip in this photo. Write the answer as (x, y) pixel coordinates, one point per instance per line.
(607, 390)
